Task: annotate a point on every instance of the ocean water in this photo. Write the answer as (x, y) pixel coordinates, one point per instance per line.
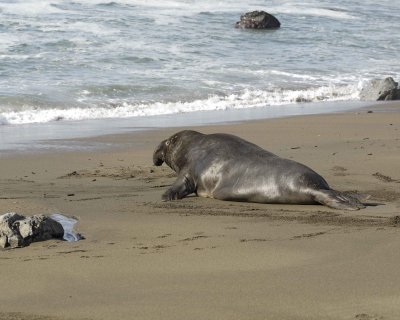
(64, 63)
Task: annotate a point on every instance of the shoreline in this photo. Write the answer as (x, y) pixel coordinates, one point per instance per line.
(41, 136)
(201, 258)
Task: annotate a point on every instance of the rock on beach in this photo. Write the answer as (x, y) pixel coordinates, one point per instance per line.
(381, 90)
(19, 231)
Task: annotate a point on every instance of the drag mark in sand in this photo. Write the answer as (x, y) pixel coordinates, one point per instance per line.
(72, 251)
(298, 237)
(309, 235)
(384, 178)
(27, 316)
(255, 240)
(194, 238)
(310, 215)
(164, 236)
(365, 316)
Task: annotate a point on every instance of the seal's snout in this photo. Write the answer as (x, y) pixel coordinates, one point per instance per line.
(158, 155)
(158, 161)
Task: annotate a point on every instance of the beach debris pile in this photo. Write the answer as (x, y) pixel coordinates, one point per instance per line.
(258, 20)
(18, 231)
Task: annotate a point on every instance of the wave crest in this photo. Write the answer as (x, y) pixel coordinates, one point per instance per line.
(115, 108)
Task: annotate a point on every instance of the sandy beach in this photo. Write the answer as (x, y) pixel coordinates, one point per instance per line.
(201, 258)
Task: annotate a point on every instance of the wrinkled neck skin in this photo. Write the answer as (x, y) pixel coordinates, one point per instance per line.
(175, 157)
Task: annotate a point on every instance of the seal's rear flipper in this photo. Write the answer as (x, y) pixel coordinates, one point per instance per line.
(337, 200)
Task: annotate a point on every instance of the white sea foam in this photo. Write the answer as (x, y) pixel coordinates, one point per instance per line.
(291, 74)
(334, 13)
(94, 28)
(8, 40)
(124, 109)
(193, 7)
(29, 8)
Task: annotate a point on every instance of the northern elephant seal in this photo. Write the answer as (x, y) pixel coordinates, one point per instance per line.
(226, 167)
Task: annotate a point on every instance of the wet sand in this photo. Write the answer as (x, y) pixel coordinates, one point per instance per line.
(202, 258)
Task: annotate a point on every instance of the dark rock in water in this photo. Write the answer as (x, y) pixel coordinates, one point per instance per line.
(381, 90)
(20, 231)
(258, 20)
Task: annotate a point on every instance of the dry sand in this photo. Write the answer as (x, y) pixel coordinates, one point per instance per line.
(207, 259)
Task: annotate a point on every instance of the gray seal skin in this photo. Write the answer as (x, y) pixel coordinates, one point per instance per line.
(226, 167)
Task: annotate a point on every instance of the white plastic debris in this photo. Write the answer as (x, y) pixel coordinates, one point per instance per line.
(68, 226)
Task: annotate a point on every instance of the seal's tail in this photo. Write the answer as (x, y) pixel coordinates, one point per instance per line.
(339, 200)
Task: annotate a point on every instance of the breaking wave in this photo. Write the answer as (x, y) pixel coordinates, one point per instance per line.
(120, 108)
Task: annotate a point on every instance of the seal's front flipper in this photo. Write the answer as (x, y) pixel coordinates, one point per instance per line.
(337, 200)
(182, 187)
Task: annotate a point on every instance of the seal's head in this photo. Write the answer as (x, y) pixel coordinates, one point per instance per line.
(173, 150)
(159, 153)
